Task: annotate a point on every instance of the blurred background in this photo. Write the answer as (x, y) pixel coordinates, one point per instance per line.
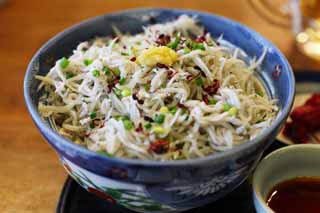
(31, 177)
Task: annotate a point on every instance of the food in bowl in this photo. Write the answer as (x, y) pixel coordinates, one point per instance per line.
(172, 92)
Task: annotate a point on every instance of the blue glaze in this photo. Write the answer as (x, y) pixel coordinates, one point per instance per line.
(156, 176)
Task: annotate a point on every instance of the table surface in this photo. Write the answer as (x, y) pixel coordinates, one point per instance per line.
(31, 177)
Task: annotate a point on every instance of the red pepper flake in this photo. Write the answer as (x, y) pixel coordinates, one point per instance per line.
(213, 88)
(201, 39)
(163, 39)
(162, 66)
(159, 147)
(115, 81)
(206, 99)
(181, 105)
(276, 72)
(139, 129)
(133, 59)
(189, 77)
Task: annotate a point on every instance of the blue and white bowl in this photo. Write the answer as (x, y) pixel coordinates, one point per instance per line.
(151, 186)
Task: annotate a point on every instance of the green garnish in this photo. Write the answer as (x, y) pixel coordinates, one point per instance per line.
(124, 54)
(117, 92)
(93, 115)
(102, 152)
(116, 71)
(69, 75)
(159, 118)
(199, 81)
(158, 130)
(174, 44)
(128, 125)
(122, 81)
(147, 125)
(96, 73)
(164, 109)
(173, 110)
(64, 63)
(125, 92)
(91, 125)
(199, 47)
(106, 70)
(233, 111)
(87, 62)
(212, 101)
(194, 45)
(226, 107)
(186, 50)
(147, 87)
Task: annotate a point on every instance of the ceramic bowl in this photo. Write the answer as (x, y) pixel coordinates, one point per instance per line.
(151, 186)
(281, 165)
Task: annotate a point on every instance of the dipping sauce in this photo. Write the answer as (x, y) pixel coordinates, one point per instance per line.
(298, 195)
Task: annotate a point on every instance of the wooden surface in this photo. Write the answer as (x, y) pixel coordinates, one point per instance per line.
(31, 177)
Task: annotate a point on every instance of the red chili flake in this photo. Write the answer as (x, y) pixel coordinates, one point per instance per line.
(163, 39)
(201, 39)
(276, 72)
(162, 66)
(159, 147)
(189, 77)
(171, 73)
(213, 88)
(115, 81)
(124, 47)
(181, 105)
(139, 129)
(205, 99)
(133, 59)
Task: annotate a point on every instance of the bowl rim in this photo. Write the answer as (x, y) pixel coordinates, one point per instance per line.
(284, 150)
(57, 138)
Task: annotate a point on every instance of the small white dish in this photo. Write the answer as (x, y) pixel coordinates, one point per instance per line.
(283, 164)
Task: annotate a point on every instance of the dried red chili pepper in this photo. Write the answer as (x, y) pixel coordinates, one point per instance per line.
(133, 59)
(213, 88)
(159, 147)
(205, 99)
(201, 39)
(163, 39)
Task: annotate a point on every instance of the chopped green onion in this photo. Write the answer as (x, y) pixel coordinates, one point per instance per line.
(91, 125)
(106, 70)
(127, 124)
(159, 118)
(186, 50)
(173, 110)
(93, 115)
(212, 101)
(147, 125)
(147, 87)
(124, 54)
(174, 44)
(199, 81)
(102, 152)
(87, 62)
(164, 109)
(117, 92)
(226, 107)
(116, 71)
(69, 75)
(125, 92)
(122, 81)
(233, 111)
(64, 63)
(117, 117)
(158, 130)
(199, 47)
(96, 73)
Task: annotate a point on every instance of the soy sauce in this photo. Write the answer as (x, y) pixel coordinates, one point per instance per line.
(298, 195)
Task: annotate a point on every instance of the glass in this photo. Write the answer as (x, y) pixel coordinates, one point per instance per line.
(303, 16)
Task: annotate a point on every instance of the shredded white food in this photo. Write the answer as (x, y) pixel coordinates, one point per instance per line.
(169, 93)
